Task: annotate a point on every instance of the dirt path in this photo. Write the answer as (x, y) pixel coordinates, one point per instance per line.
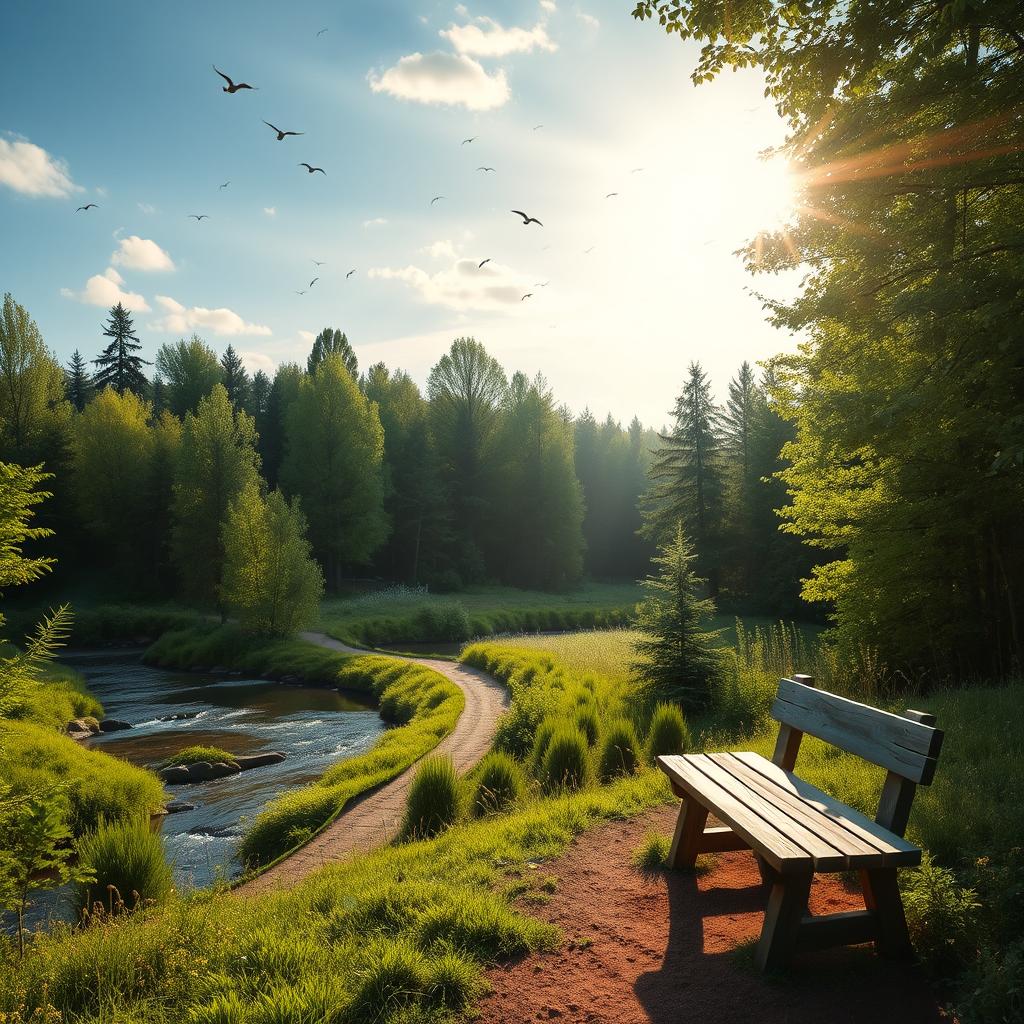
(373, 819)
(659, 949)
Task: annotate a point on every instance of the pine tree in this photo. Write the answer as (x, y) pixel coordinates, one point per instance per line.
(331, 340)
(77, 382)
(259, 396)
(687, 478)
(236, 378)
(675, 656)
(119, 367)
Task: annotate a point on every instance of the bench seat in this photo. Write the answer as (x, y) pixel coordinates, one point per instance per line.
(793, 825)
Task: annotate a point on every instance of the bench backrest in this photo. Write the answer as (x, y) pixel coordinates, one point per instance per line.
(907, 745)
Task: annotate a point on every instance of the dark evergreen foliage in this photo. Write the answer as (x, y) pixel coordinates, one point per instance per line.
(119, 366)
(78, 383)
(331, 340)
(235, 378)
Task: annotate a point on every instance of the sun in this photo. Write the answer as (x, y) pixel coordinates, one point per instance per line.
(765, 195)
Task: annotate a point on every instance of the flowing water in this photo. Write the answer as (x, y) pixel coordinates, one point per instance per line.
(169, 710)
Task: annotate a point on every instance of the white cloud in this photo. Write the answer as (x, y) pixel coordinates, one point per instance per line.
(141, 254)
(30, 170)
(146, 207)
(375, 222)
(588, 19)
(486, 38)
(462, 286)
(254, 361)
(445, 78)
(440, 250)
(307, 336)
(461, 10)
(270, 211)
(105, 290)
(549, 5)
(222, 321)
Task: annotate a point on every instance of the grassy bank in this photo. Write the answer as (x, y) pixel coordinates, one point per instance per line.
(422, 705)
(402, 615)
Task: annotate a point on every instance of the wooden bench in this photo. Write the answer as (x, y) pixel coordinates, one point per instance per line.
(796, 830)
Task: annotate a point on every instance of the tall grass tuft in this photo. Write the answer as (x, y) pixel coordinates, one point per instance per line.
(500, 784)
(588, 723)
(620, 750)
(129, 865)
(668, 732)
(566, 764)
(434, 801)
(541, 740)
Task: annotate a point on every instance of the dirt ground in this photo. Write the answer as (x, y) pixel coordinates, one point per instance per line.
(661, 948)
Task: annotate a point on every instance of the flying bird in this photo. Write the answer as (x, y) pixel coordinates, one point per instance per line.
(485, 168)
(303, 292)
(225, 185)
(231, 87)
(536, 126)
(349, 274)
(281, 134)
(472, 138)
(544, 285)
(87, 207)
(319, 263)
(435, 199)
(312, 169)
(610, 194)
(482, 262)
(313, 282)
(636, 170)
(528, 295)
(527, 220)
(591, 249)
(199, 216)
(320, 33)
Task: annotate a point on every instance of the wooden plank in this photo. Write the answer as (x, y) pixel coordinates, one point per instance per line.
(859, 852)
(824, 855)
(781, 852)
(897, 850)
(786, 907)
(882, 896)
(689, 827)
(721, 840)
(846, 929)
(892, 741)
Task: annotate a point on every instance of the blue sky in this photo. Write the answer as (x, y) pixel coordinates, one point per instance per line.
(117, 104)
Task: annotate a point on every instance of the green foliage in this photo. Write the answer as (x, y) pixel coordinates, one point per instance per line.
(668, 732)
(587, 721)
(331, 341)
(993, 989)
(620, 752)
(119, 367)
(674, 656)
(236, 379)
(434, 801)
(217, 460)
(126, 866)
(566, 763)
(198, 753)
(19, 494)
(444, 620)
(941, 916)
(652, 853)
(499, 784)
(270, 579)
(189, 371)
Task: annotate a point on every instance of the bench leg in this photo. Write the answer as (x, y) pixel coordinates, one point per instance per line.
(787, 904)
(689, 829)
(882, 895)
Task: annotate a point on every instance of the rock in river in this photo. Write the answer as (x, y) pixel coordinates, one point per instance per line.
(114, 725)
(203, 771)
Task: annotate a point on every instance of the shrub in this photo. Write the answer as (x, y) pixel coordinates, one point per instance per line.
(195, 754)
(620, 750)
(434, 801)
(447, 620)
(566, 761)
(500, 784)
(669, 733)
(541, 741)
(588, 723)
(652, 853)
(129, 864)
(994, 987)
(940, 916)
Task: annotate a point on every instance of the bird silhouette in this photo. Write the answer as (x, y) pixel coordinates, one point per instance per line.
(312, 169)
(349, 274)
(303, 292)
(482, 262)
(225, 185)
(199, 216)
(319, 263)
(320, 33)
(536, 126)
(610, 194)
(636, 170)
(87, 207)
(435, 199)
(542, 285)
(472, 138)
(591, 249)
(281, 134)
(313, 282)
(526, 219)
(231, 87)
(485, 168)
(528, 295)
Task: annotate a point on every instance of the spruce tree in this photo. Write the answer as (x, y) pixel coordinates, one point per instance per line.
(331, 340)
(77, 382)
(258, 398)
(119, 367)
(675, 655)
(236, 379)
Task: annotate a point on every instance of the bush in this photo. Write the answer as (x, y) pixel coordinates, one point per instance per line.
(434, 799)
(566, 761)
(447, 620)
(541, 740)
(620, 751)
(195, 754)
(668, 733)
(129, 863)
(499, 785)
(940, 915)
(994, 987)
(588, 723)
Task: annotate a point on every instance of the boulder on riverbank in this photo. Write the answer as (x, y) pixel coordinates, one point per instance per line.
(82, 728)
(114, 725)
(203, 771)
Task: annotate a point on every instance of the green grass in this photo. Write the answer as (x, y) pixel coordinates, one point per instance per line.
(197, 754)
(402, 615)
(59, 695)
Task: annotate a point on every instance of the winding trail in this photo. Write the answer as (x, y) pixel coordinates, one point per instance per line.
(373, 818)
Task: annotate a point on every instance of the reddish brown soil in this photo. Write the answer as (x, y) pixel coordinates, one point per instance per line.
(660, 948)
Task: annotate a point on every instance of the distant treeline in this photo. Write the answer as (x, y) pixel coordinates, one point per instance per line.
(482, 478)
